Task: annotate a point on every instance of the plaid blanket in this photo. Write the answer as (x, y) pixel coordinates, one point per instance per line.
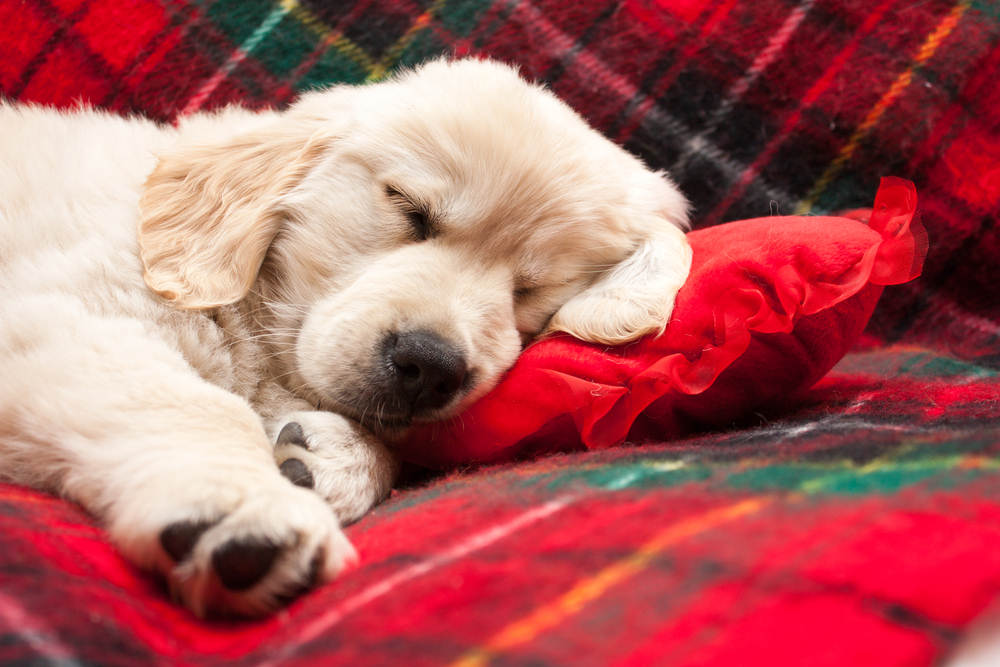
(860, 528)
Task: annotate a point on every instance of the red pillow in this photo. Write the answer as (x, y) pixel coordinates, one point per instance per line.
(769, 307)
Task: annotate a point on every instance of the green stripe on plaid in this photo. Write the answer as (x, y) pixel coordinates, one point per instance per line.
(341, 63)
(290, 44)
(914, 461)
(239, 19)
(912, 361)
(285, 36)
(462, 16)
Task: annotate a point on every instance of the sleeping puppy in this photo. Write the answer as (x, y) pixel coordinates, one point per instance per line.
(210, 333)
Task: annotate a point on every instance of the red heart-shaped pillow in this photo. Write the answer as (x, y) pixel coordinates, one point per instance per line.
(770, 306)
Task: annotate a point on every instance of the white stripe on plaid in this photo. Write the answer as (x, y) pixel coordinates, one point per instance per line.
(763, 60)
(559, 43)
(31, 630)
(474, 543)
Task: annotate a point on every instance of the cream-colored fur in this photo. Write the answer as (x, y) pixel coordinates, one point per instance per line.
(183, 308)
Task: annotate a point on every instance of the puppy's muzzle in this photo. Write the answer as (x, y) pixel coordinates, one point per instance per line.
(427, 371)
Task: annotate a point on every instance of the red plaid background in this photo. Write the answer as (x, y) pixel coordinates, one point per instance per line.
(861, 529)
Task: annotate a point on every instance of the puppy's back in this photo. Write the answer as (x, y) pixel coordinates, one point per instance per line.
(68, 176)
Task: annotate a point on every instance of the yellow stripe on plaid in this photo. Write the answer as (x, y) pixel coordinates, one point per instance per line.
(927, 50)
(928, 466)
(393, 53)
(337, 40)
(328, 37)
(570, 603)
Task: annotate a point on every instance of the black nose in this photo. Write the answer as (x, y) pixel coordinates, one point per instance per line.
(428, 369)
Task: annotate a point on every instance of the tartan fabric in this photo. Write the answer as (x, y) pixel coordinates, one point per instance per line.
(861, 528)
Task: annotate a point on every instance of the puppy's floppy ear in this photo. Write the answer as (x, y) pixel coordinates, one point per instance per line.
(636, 296)
(208, 212)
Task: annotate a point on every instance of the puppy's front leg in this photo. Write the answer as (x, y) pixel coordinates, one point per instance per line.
(179, 470)
(335, 457)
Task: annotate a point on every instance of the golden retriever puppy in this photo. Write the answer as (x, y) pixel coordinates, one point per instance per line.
(209, 333)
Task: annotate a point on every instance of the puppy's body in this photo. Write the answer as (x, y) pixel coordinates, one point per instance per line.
(181, 309)
(110, 396)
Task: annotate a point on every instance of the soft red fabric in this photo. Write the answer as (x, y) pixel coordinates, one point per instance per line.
(770, 306)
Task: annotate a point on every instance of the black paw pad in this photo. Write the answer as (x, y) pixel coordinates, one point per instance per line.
(242, 563)
(297, 473)
(291, 434)
(178, 539)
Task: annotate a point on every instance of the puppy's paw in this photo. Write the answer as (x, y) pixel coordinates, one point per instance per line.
(338, 459)
(252, 550)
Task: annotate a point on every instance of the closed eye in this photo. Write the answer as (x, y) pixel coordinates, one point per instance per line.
(417, 214)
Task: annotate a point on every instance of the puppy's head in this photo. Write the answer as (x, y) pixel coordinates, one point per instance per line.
(410, 237)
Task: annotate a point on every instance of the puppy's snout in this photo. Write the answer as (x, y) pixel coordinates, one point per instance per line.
(428, 369)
